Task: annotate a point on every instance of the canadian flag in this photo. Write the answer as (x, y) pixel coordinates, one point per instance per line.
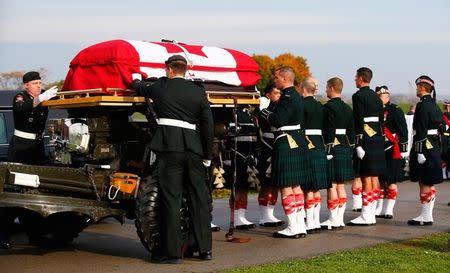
(111, 63)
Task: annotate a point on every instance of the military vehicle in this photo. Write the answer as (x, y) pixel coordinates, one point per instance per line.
(99, 164)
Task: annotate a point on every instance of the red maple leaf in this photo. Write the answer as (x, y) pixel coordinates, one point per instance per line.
(175, 48)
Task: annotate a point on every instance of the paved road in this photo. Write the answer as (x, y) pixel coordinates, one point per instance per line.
(111, 247)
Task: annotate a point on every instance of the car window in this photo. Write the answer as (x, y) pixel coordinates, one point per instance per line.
(3, 135)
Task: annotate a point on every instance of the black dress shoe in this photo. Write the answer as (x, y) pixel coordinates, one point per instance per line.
(166, 260)
(5, 245)
(388, 216)
(380, 216)
(272, 224)
(205, 255)
(245, 227)
(419, 223)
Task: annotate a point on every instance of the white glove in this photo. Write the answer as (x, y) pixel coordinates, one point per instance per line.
(136, 76)
(329, 157)
(421, 158)
(360, 152)
(206, 163)
(48, 94)
(263, 103)
(404, 155)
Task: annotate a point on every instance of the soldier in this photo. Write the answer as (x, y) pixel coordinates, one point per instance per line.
(368, 116)
(268, 194)
(425, 156)
(183, 144)
(446, 139)
(314, 119)
(289, 161)
(339, 136)
(396, 146)
(27, 145)
(245, 163)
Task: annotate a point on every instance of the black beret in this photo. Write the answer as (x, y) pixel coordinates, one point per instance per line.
(31, 76)
(176, 58)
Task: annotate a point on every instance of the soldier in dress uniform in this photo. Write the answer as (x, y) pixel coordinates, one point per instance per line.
(268, 194)
(339, 136)
(289, 160)
(369, 143)
(425, 156)
(446, 140)
(246, 141)
(183, 144)
(314, 124)
(26, 145)
(395, 148)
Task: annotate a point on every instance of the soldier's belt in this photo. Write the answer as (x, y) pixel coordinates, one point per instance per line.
(313, 132)
(176, 123)
(23, 134)
(431, 132)
(286, 128)
(268, 135)
(244, 138)
(242, 124)
(341, 131)
(371, 119)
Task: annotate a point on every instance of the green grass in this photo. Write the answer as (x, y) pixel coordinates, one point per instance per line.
(427, 254)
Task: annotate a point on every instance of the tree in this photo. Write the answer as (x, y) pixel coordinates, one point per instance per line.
(268, 65)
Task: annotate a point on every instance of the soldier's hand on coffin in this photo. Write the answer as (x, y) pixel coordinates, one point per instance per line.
(421, 158)
(360, 152)
(136, 76)
(48, 94)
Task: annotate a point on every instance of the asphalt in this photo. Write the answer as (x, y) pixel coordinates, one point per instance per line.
(111, 247)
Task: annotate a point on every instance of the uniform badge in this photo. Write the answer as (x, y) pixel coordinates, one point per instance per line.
(19, 99)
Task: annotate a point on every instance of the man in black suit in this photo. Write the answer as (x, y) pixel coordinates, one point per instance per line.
(183, 144)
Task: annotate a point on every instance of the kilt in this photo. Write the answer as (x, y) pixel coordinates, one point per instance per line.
(318, 179)
(428, 173)
(374, 162)
(290, 166)
(394, 170)
(246, 149)
(262, 166)
(341, 167)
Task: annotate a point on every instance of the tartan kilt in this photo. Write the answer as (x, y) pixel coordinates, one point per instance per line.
(374, 162)
(428, 173)
(341, 167)
(262, 166)
(318, 179)
(394, 170)
(290, 166)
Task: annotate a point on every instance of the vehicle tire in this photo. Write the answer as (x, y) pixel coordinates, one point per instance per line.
(148, 215)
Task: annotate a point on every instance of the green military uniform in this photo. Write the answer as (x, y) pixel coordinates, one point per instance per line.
(183, 138)
(314, 120)
(368, 117)
(289, 160)
(427, 121)
(27, 145)
(396, 142)
(339, 135)
(265, 157)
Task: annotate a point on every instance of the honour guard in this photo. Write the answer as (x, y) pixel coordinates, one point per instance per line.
(339, 137)
(289, 160)
(314, 118)
(268, 194)
(395, 149)
(368, 116)
(425, 156)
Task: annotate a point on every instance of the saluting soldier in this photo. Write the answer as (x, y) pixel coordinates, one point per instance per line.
(183, 144)
(26, 145)
(289, 160)
(395, 148)
(425, 156)
(368, 115)
(268, 194)
(339, 136)
(314, 119)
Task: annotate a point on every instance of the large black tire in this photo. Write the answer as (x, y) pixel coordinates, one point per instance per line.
(148, 215)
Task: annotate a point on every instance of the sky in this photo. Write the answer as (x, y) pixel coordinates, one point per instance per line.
(398, 39)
